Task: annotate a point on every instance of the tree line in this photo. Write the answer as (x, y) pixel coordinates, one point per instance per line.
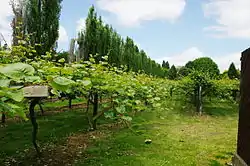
(101, 39)
(39, 20)
(203, 65)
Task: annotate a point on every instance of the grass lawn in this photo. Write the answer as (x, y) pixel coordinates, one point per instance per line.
(179, 137)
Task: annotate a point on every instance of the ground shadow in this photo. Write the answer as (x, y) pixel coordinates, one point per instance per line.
(221, 109)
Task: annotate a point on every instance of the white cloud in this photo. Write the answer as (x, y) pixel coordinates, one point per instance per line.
(232, 18)
(182, 58)
(192, 53)
(80, 24)
(5, 20)
(133, 12)
(63, 36)
(224, 61)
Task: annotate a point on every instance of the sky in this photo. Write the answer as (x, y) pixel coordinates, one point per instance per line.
(172, 30)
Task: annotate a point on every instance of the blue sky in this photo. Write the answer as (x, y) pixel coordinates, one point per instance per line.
(172, 30)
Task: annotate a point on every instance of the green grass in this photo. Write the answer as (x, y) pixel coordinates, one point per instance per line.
(179, 137)
(61, 103)
(17, 136)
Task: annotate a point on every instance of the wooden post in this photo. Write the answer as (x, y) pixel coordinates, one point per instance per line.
(200, 100)
(243, 143)
(71, 51)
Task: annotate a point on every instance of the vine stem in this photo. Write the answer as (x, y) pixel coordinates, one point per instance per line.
(3, 118)
(95, 109)
(33, 103)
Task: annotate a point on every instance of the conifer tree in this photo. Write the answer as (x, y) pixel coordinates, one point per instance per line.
(172, 73)
(167, 65)
(163, 64)
(232, 72)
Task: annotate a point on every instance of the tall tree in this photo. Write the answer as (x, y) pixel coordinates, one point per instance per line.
(167, 65)
(172, 73)
(204, 65)
(189, 65)
(90, 34)
(163, 64)
(80, 42)
(17, 26)
(232, 72)
(184, 71)
(101, 39)
(41, 21)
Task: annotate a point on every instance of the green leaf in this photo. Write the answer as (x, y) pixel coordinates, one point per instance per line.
(156, 105)
(32, 79)
(109, 115)
(16, 95)
(5, 107)
(55, 92)
(4, 83)
(62, 60)
(17, 70)
(63, 81)
(121, 109)
(157, 98)
(86, 82)
(12, 110)
(137, 102)
(127, 118)
(62, 84)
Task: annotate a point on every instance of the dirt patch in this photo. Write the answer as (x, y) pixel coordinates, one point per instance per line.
(59, 155)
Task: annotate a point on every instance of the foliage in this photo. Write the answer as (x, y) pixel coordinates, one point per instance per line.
(172, 73)
(224, 75)
(10, 94)
(101, 39)
(61, 55)
(184, 71)
(205, 65)
(190, 86)
(41, 21)
(232, 72)
(165, 65)
(223, 89)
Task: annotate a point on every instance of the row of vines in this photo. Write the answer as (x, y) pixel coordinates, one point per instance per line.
(127, 91)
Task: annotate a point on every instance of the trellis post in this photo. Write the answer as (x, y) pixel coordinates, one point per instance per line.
(242, 158)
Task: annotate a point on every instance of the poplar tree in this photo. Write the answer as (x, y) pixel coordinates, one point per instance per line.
(41, 21)
(100, 39)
